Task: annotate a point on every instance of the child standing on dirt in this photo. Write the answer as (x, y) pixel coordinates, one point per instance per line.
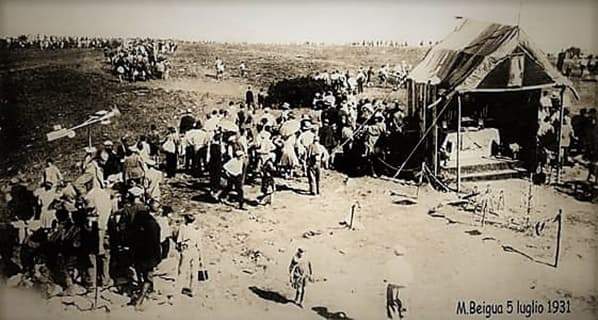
(299, 273)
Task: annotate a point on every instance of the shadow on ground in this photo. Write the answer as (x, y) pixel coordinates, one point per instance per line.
(324, 313)
(270, 295)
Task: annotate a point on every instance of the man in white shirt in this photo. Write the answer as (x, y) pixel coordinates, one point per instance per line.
(100, 204)
(197, 139)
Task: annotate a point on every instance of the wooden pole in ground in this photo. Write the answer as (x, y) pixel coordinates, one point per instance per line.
(352, 214)
(560, 161)
(435, 138)
(458, 143)
(89, 137)
(421, 179)
(559, 220)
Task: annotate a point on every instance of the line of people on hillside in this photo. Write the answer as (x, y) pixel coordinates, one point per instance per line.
(49, 42)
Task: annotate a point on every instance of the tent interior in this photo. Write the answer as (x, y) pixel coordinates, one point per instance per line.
(495, 127)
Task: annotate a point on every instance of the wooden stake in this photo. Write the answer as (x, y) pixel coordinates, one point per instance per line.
(421, 179)
(559, 220)
(352, 214)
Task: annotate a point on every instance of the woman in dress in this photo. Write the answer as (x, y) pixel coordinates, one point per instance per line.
(289, 159)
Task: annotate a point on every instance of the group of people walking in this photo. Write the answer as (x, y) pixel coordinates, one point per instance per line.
(141, 59)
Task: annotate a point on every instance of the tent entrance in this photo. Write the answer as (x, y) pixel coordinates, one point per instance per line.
(497, 130)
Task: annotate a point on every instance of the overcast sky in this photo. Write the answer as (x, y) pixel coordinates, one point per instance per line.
(553, 24)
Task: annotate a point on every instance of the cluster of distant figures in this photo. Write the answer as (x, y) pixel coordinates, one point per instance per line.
(45, 42)
(130, 59)
(141, 59)
(389, 43)
(578, 136)
(387, 74)
(365, 77)
(573, 63)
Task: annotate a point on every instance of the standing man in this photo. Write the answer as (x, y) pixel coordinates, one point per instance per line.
(235, 172)
(243, 69)
(249, 99)
(188, 241)
(314, 163)
(171, 151)
(215, 154)
(100, 205)
(92, 173)
(261, 99)
(300, 272)
(268, 170)
(52, 174)
(187, 121)
(219, 69)
(146, 251)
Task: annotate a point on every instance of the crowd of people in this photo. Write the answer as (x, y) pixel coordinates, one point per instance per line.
(578, 135)
(389, 43)
(130, 59)
(110, 227)
(46, 42)
(141, 59)
(365, 77)
(105, 229)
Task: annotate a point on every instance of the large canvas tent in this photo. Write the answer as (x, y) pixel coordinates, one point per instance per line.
(478, 58)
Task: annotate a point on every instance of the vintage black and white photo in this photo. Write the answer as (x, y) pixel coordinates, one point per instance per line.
(291, 159)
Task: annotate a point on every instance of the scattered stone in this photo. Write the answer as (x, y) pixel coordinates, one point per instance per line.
(473, 232)
(311, 233)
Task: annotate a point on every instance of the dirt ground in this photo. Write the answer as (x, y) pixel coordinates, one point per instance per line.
(439, 257)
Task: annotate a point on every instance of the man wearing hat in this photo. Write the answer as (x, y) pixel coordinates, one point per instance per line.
(249, 99)
(134, 167)
(112, 165)
(187, 121)
(268, 170)
(93, 173)
(306, 138)
(373, 134)
(234, 170)
(188, 242)
(144, 235)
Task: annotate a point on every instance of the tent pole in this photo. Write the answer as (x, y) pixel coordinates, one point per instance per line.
(458, 143)
(560, 161)
(435, 141)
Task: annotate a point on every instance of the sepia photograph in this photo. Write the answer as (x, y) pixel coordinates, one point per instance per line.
(284, 159)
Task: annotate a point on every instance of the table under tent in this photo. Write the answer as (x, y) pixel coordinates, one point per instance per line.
(483, 81)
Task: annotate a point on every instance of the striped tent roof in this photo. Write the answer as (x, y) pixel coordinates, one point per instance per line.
(477, 55)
